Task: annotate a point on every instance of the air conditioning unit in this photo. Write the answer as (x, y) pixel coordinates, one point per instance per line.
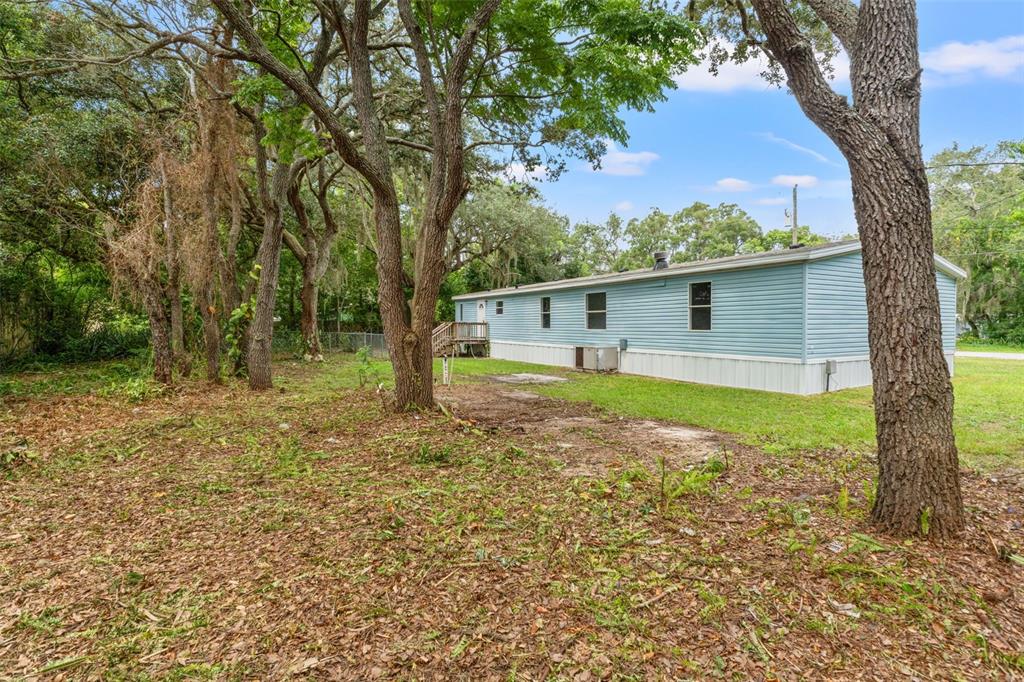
(597, 358)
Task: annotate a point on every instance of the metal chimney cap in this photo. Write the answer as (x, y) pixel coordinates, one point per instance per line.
(660, 260)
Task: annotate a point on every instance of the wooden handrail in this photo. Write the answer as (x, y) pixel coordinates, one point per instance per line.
(448, 334)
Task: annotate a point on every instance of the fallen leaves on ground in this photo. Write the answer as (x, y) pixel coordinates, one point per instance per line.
(215, 533)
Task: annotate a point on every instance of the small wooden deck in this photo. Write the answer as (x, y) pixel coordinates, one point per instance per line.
(451, 338)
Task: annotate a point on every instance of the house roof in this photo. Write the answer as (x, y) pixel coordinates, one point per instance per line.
(752, 260)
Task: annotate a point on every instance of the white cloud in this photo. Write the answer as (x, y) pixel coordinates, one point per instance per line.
(616, 162)
(772, 201)
(733, 77)
(817, 156)
(517, 171)
(951, 63)
(789, 180)
(623, 206)
(956, 62)
(733, 185)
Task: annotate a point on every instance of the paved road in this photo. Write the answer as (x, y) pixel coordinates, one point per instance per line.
(985, 354)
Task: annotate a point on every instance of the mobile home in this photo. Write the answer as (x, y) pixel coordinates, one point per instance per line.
(791, 321)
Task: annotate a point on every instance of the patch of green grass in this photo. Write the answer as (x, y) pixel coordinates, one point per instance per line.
(121, 377)
(45, 621)
(989, 412)
(283, 457)
(985, 347)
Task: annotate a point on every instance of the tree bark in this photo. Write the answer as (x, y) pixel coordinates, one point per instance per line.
(261, 329)
(918, 483)
(310, 328)
(918, 480)
(211, 333)
(160, 331)
(313, 254)
(173, 264)
(177, 321)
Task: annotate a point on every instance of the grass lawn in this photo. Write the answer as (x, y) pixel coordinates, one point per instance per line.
(989, 412)
(208, 532)
(989, 347)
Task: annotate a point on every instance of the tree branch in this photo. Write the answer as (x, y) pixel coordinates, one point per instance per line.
(298, 83)
(793, 50)
(841, 18)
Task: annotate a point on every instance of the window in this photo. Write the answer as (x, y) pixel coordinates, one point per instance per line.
(596, 311)
(499, 307)
(545, 312)
(700, 306)
(462, 313)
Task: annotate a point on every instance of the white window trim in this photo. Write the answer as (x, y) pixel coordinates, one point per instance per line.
(690, 306)
(587, 310)
(542, 313)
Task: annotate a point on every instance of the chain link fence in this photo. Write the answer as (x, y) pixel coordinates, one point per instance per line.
(337, 342)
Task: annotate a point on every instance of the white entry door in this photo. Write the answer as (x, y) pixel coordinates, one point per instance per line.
(481, 311)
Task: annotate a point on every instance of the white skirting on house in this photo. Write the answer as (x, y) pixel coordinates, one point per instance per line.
(850, 373)
(539, 353)
(781, 375)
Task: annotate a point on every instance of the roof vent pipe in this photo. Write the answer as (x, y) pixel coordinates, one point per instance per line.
(660, 260)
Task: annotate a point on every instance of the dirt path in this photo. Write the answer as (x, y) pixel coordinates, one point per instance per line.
(304, 534)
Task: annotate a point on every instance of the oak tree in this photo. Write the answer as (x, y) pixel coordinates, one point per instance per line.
(878, 133)
(524, 76)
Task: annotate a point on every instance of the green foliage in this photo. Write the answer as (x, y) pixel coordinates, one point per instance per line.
(133, 389)
(926, 521)
(843, 501)
(567, 70)
(238, 324)
(367, 369)
(697, 232)
(427, 454)
(71, 147)
(978, 220)
(693, 481)
(506, 236)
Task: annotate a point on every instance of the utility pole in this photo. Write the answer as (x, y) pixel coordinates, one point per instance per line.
(796, 225)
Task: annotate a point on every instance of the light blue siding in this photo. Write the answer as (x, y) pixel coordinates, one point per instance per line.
(756, 311)
(837, 316)
(465, 311)
(947, 301)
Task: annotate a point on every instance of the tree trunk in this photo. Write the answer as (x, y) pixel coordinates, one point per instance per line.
(211, 334)
(918, 483)
(918, 479)
(408, 348)
(310, 327)
(261, 329)
(173, 265)
(160, 331)
(177, 319)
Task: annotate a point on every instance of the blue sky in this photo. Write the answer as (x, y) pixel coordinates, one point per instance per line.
(736, 139)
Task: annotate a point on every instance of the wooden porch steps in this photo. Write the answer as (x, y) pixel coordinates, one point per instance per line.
(448, 337)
